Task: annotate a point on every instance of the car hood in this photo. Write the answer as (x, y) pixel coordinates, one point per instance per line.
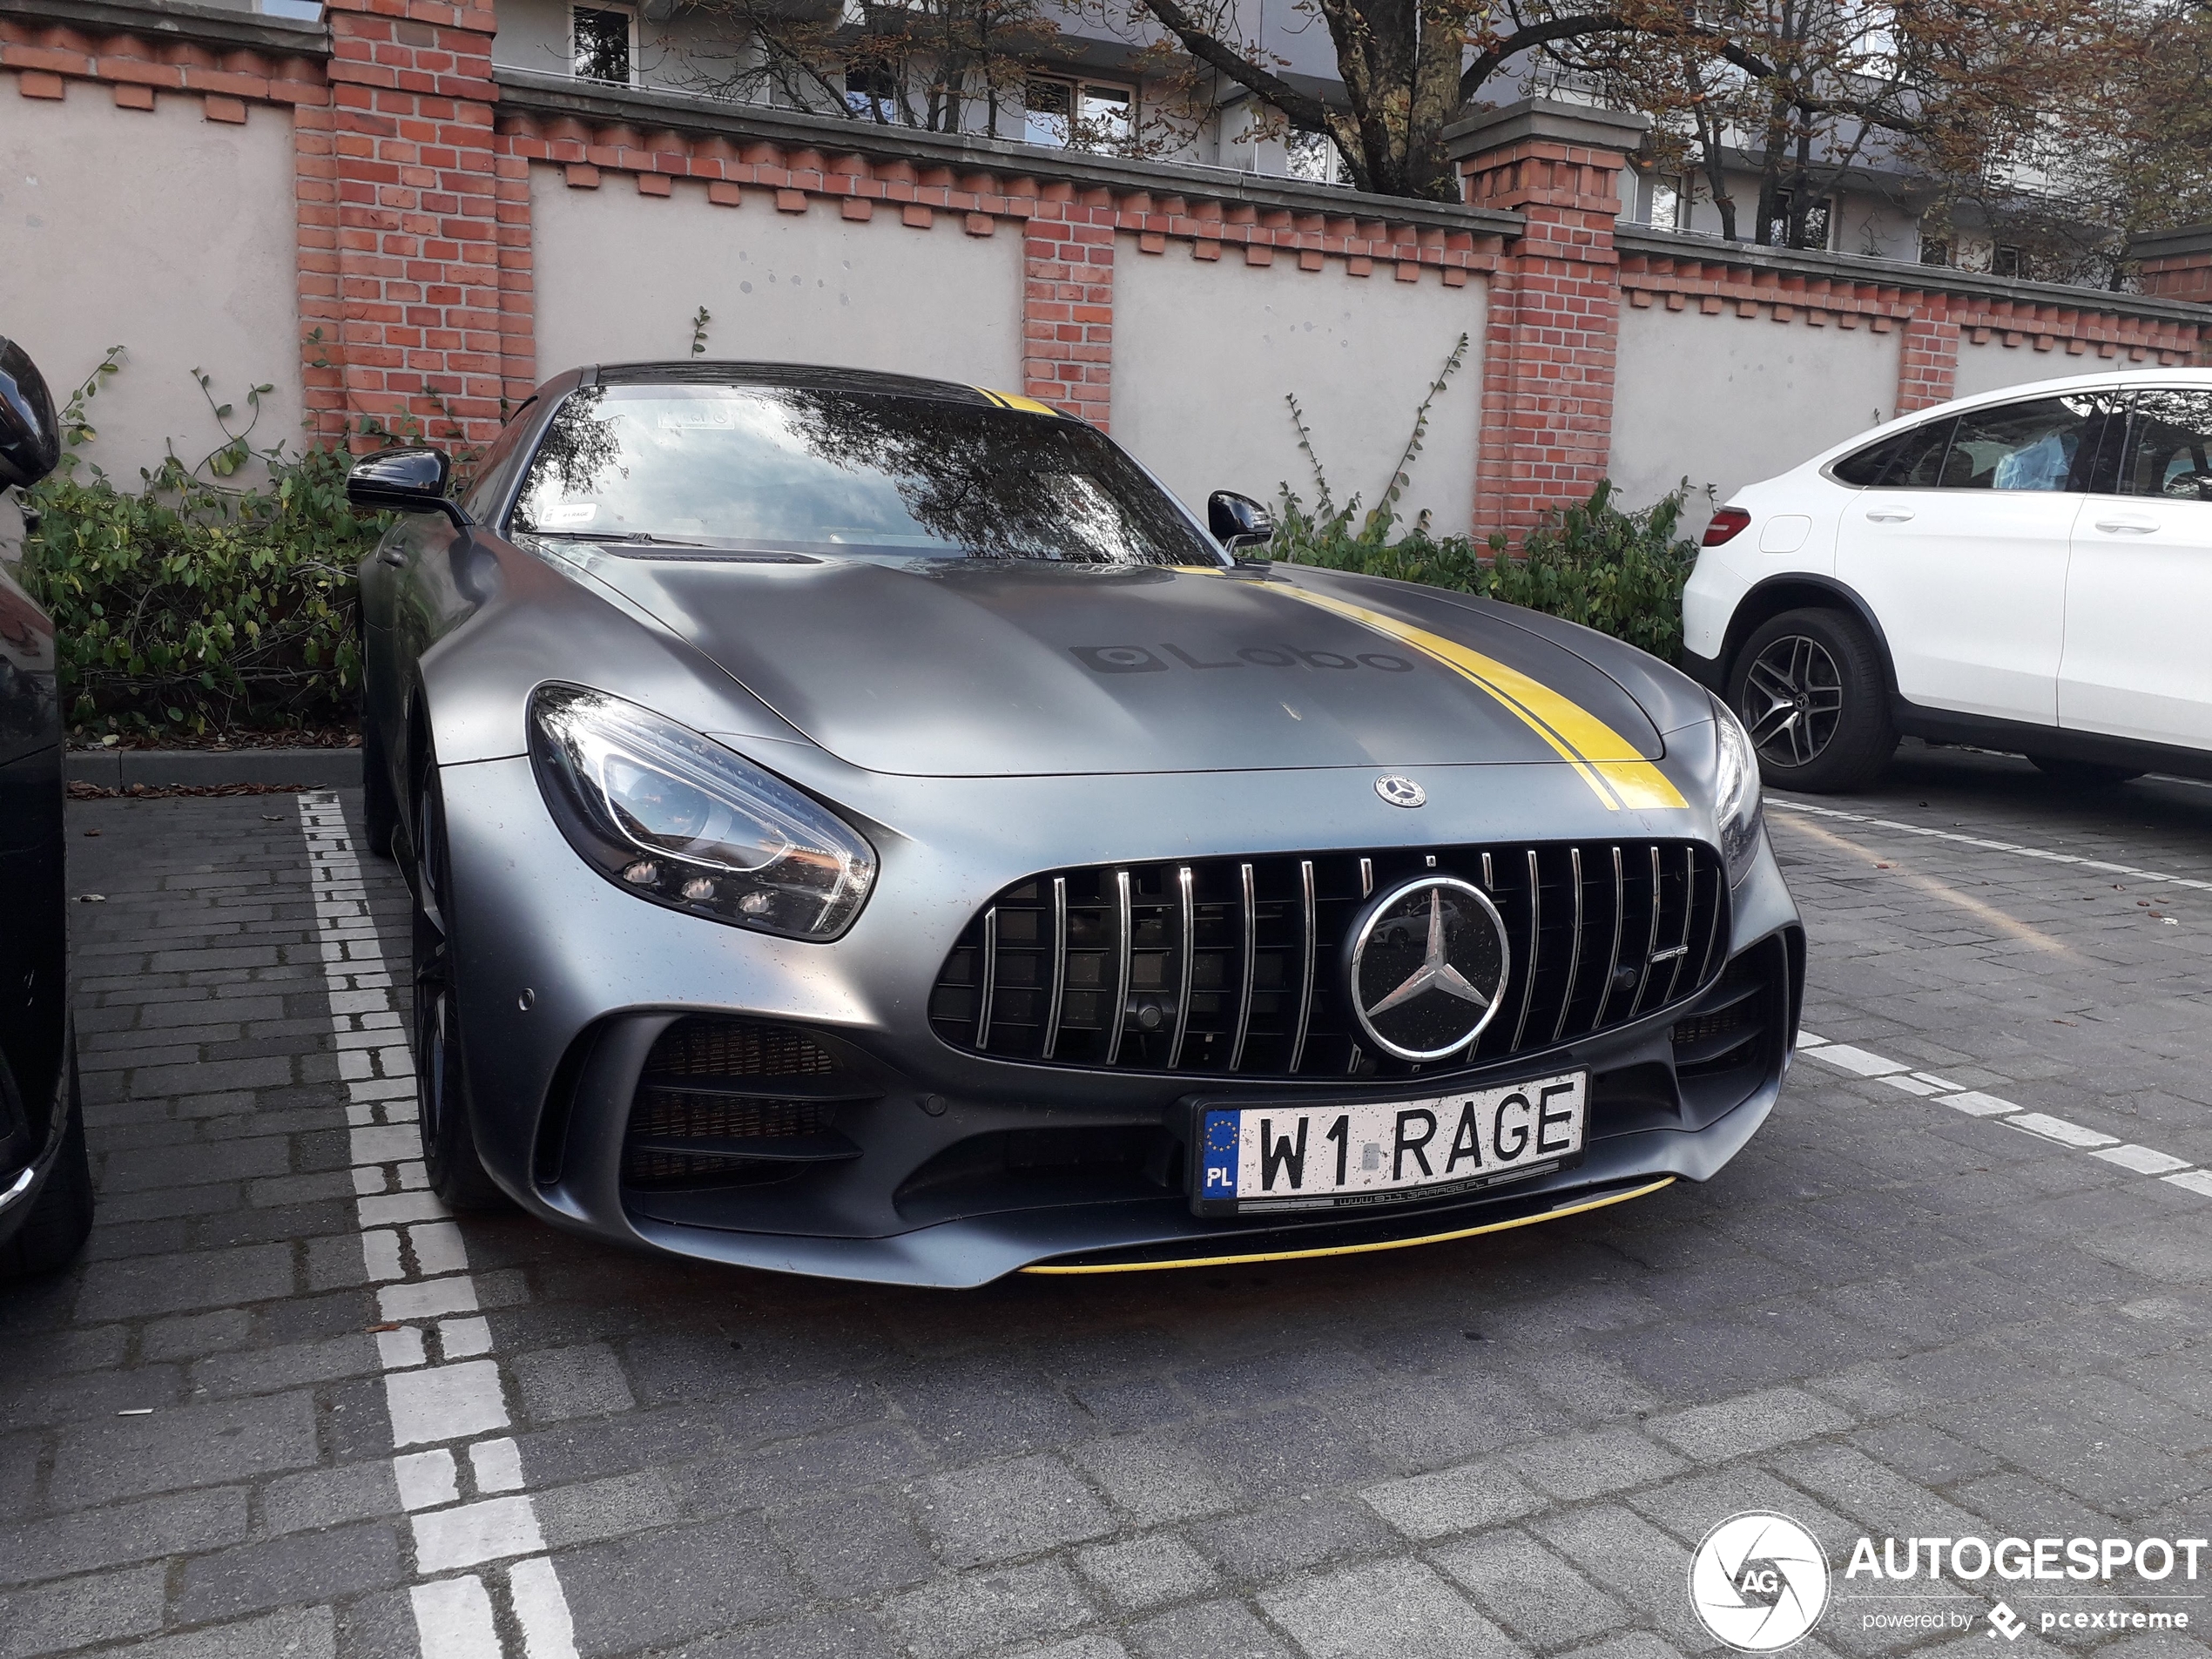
(961, 668)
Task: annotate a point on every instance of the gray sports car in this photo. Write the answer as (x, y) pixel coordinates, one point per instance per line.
(866, 826)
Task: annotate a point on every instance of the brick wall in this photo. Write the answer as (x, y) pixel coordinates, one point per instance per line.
(415, 243)
(1548, 359)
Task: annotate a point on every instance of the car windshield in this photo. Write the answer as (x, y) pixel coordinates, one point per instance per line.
(803, 470)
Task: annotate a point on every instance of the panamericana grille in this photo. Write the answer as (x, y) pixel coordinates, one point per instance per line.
(1234, 966)
(734, 1102)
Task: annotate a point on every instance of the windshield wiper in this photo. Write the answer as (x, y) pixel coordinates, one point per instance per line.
(642, 537)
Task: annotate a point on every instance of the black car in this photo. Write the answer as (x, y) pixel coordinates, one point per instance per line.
(45, 1183)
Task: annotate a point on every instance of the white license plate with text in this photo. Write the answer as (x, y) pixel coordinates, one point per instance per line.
(1300, 1157)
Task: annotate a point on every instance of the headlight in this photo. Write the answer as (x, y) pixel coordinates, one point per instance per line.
(1736, 792)
(661, 811)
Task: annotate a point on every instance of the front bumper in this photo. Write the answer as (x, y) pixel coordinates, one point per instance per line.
(934, 1195)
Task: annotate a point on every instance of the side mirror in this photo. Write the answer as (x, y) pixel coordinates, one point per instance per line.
(1239, 521)
(404, 480)
(30, 435)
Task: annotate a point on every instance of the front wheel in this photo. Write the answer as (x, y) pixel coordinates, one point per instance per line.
(61, 1216)
(1808, 687)
(456, 1173)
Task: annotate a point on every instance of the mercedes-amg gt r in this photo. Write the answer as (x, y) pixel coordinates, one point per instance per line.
(866, 827)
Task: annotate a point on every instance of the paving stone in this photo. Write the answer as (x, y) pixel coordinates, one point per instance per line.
(170, 1284)
(1590, 1465)
(1392, 1609)
(1256, 1545)
(1144, 1572)
(988, 1608)
(191, 1447)
(571, 1382)
(997, 1511)
(1429, 1506)
(1223, 1629)
(704, 1578)
(1530, 1591)
(105, 1606)
(304, 1569)
(854, 1546)
(1732, 1428)
(294, 1633)
(317, 1499)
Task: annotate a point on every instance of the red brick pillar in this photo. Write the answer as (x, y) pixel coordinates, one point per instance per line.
(2177, 265)
(1068, 302)
(1927, 371)
(400, 223)
(1547, 361)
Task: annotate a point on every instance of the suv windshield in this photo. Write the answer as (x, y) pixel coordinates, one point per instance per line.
(786, 470)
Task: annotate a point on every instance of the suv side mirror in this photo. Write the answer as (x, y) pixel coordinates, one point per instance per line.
(1239, 521)
(404, 480)
(30, 435)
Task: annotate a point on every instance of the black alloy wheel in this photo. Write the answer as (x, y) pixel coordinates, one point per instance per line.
(1793, 698)
(1810, 689)
(457, 1175)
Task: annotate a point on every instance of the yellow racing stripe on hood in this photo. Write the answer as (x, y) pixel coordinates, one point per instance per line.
(1016, 401)
(1606, 760)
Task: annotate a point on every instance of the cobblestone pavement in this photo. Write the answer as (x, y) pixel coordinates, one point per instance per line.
(1960, 1285)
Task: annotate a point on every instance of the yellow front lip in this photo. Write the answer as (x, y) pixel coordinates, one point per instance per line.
(1366, 1249)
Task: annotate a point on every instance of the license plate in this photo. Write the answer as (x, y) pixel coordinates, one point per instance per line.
(1295, 1155)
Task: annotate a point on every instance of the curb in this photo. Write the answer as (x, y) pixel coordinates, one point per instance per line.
(309, 768)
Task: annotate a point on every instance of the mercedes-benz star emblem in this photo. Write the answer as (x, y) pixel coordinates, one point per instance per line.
(1400, 792)
(1428, 965)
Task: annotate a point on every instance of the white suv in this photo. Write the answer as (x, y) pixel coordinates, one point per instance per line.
(2030, 570)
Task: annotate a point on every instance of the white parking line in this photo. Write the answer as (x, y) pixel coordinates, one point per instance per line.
(440, 1396)
(1987, 845)
(2143, 1160)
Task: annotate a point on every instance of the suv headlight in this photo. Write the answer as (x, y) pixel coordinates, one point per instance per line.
(663, 812)
(1735, 792)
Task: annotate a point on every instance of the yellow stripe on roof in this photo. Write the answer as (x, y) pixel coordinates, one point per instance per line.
(1015, 400)
(1604, 760)
(1359, 1250)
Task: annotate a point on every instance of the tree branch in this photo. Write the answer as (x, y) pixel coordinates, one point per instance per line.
(1304, 111)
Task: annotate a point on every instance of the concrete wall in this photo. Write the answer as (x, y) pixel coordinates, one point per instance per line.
(189, 267)
(1729, 400)
(1993, 365)
(1205, 351)
(620, 275)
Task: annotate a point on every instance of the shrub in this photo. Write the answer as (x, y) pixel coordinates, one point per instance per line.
(1618, 572)
(189, 607)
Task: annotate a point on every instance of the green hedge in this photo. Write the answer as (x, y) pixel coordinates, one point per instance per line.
(1618, 572)
(190, 607)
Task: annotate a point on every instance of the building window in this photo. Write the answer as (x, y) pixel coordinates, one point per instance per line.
(1670, 203)
(2008, 262)
(872, 91)
(1775, 233)
(602, 37)
(1313, 157)
(1934, 252)
(1080, 115)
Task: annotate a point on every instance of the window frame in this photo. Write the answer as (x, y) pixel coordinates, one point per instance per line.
(628, 14)
(1075, 86)
(2123, 474)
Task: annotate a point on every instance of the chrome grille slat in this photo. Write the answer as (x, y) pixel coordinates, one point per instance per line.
(1059, 995)
(1574, 958)
(1186, 928)
(990, 977)
(1535, 938)
(1211, 967)
(1651, 943)
(1248, 938)
(1688, 917)
(1125, 955)
(1613, 957)
(1309, 929)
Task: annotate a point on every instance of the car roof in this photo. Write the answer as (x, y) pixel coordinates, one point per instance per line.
(2133, 375)
(814, 377)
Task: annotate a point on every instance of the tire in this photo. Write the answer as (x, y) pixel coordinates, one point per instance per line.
(2084, 774)
(61, 1216)
(380, 806)
(1808, 687)
(457, 1174)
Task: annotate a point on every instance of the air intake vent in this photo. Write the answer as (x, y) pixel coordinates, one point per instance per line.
(735, 1102)
(1232, 966)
